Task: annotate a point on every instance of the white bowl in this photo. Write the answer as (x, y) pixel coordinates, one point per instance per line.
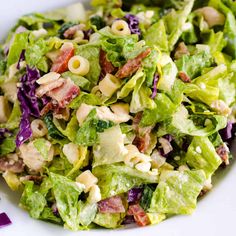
(215, 214)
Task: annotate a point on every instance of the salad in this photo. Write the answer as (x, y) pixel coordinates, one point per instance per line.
(120, 114)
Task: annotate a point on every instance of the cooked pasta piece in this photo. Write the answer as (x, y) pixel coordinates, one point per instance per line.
(109, 85)
(38, 127)
(88, 179)
(79, 65)
(120, 27)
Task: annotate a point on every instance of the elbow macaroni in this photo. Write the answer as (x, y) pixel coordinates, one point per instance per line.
(120, 27)
(109, 85)
(38, 128)
(79, 65)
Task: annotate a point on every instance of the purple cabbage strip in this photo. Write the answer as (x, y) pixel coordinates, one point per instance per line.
(22, 58)
(87, 33)
(128, 220)
(28, 103)
(4, 220)
(155, 81)
(134, 195)
(133, 23)
(227, 132)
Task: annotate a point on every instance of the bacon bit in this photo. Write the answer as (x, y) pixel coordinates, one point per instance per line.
(111, 205)
(223, 153)
(60, 65)
(142, 139)
(64, 94)
(45, 88)
(142, 143)
(48, 107)
(132, 65)
(139, 214)
(106, 66)
(181, 50)
(62, 113)
(7, 164)
(184, 77)
(136, 120)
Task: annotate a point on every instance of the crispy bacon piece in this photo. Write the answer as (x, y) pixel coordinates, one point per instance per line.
(139, 214)
(111, 205)
(132, 65)
(142, 139)
(181, 50)
(106, 65)
(64, 94)
(184, 77)
(60, 65)
(223, 153)
(142, 143)
(45, 88)
(7, 164)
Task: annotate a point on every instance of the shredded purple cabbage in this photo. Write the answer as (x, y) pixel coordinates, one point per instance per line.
(134, 195)
(22, 58)
(226, 133)
(87, 33)
(155, 81)
(133, 23)
(128, 220)
(28, 103)
(4, 220)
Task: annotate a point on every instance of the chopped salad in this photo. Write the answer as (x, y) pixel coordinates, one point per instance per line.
(118, 114)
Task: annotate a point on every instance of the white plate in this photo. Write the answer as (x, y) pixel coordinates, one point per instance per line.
(215, 214)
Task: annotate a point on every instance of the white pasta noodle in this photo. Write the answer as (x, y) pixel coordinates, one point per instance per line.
(94, 194)
(79, 65)
(109, 85)
(88, 179)
(79, 36)
(38, 128)
(120, 27)
(133, 157)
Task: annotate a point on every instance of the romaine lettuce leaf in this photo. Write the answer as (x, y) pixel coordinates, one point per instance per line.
(175, 20)
(110, 148)
(141, 98)
(91, 53)
(87, 135)
(35, 52)
(180, 124)
(66, 193)
(109, 220)
(201, 154)
(177, 192)
(192, 65)
(33, 200)
(119, 178)
(156, 36)
(19, 43)
(87, 213)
